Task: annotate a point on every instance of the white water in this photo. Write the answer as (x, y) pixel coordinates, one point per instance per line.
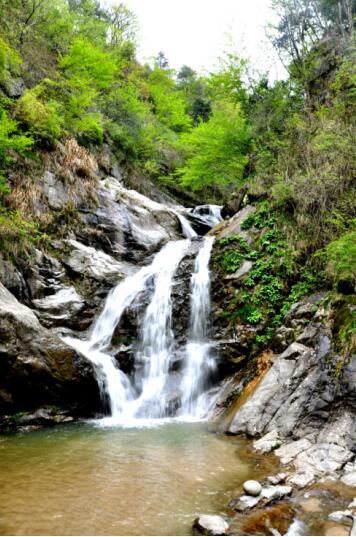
(187, 229)
(157, 337)
(148, 395)
(198, 357)
(210, 214)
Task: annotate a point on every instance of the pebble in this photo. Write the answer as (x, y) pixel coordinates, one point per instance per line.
(252, 488)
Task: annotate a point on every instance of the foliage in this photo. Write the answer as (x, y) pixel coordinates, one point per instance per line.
(11, 141)
(216, 151)
(10, 60)
(41, 116)
(341, 256)
(16, 232)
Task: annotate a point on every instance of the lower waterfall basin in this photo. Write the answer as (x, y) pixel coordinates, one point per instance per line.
(86, 479)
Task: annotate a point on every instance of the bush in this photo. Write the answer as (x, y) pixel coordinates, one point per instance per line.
(10, 60)
(341, 257)
(43, 118)
(11, 140)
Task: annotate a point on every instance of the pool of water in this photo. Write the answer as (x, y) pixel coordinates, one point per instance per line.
(86, 479)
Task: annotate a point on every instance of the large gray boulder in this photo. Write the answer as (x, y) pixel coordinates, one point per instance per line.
(38, 368)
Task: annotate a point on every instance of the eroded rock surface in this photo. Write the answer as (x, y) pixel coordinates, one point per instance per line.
(37, 367)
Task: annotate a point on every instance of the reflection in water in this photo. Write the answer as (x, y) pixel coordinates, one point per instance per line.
(86, 480)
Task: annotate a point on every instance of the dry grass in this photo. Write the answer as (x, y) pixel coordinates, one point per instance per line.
(77, 168)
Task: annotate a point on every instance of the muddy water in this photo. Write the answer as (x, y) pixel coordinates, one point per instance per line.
(90, 480)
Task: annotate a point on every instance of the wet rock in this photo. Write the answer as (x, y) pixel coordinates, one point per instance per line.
(252, 488)
(268, 442)
(309, 335)
(244, 503)
(278, 492)
(13, 280)
(268, 495)
(282, 338)
(211, 525)
(342, 517)
(88, 261)
(274, 520)
(302, 479)
(277, 479)
(333, 529)
(38, 368)
(45, 275)
(45, 416)
(60, 307)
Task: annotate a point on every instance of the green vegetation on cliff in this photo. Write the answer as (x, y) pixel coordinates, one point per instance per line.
(68, 69)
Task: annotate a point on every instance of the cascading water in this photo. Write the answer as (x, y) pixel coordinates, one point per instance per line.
(198, 357)
(187, 229)
(157, 337)
(145, 396)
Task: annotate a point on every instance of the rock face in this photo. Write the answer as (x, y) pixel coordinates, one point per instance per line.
(104, 233)
(37, 367)
(303, 403)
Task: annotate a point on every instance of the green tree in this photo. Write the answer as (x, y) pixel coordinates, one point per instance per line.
(216, 151)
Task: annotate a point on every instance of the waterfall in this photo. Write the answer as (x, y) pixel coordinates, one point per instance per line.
(198, 356)
(146, 394)
(187, 229)
(157, 337)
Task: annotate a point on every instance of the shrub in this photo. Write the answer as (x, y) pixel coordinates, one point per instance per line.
(43, 118)
(341, 257)
(11, 140)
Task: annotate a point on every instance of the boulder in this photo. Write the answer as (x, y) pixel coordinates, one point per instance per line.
(96, 264)
(37, 368)
(268, 495)
(60, 307)
(252, 488)
(211, 525)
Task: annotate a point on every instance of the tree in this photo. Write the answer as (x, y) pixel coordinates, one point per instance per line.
(216, 151)
(161, 61)
(123, 25)
(226, 82)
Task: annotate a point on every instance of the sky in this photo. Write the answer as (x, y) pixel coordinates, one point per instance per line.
(197, 32)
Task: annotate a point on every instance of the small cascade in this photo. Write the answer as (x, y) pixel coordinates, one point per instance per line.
(187, 229)
(198, 356)
(209, 214)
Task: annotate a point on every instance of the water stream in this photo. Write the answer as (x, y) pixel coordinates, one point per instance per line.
(145, 394)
